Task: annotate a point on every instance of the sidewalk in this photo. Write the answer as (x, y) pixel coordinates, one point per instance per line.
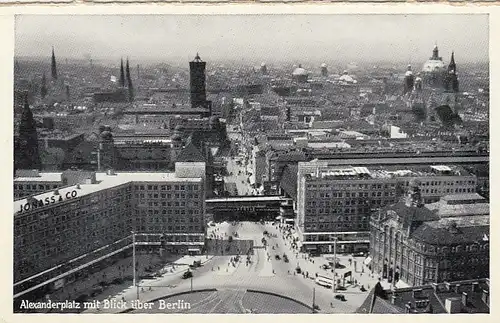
(153, 288)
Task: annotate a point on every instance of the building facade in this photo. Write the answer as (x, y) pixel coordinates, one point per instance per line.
(61, 224)
(336, 202)
(422, 244)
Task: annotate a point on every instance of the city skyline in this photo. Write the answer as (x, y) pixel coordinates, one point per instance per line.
(300, 38)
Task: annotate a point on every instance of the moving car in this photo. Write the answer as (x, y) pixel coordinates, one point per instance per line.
(285, 258)
(322, 281)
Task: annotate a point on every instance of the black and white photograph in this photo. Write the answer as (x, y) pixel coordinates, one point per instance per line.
(251, 163)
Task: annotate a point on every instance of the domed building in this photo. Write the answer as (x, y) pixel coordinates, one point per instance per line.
(409, 80)
(300, 75)
(324, 70)
(433, 70)
(263, 68)
(347, 79)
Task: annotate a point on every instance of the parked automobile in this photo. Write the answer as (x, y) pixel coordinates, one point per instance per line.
(298, 270)
(187, 274)
(340, 297)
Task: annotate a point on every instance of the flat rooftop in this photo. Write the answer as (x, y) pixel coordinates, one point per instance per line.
(40, 177)
(105, 181)
(245, 199)
(385, 172)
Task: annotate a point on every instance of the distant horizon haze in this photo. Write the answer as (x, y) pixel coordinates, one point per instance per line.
(297, 39)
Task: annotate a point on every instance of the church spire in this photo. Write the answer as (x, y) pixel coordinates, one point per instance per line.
(122, 74)
(452, 66)
(53, 65)
(129, 83)
(28, 139)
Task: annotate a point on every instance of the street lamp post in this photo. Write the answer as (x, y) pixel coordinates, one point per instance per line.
(314, 300)
(334, 263)
(133, 264)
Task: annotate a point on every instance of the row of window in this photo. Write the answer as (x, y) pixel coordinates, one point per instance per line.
(171, 229)
(343, 186)
(181, 219)
(35, 187)
(168, 196)
(336, 226)
(346, 218)
(176, 187)
(349, 186)
(381, 237)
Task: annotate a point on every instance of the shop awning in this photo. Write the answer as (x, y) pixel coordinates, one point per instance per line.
(193, 249)
(311, 247)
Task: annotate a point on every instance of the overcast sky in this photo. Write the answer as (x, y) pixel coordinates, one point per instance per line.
(172, 38)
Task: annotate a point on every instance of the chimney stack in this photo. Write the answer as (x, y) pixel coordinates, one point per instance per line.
(464, 299)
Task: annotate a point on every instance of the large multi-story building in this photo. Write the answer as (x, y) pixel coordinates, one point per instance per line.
(72, 221)
(422, 244)
(336, 201)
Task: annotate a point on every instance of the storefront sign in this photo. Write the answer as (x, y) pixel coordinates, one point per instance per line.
(47, 201)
